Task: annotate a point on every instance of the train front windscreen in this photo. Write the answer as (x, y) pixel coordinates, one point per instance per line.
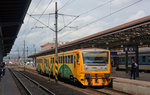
(95, 57)
(95, 60)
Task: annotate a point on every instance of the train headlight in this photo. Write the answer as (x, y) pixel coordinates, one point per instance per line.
(107, 75)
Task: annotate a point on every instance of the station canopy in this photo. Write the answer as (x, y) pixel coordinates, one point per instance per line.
(12, 13)
(134, 33)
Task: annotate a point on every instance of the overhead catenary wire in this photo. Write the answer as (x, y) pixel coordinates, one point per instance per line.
(67, 3)
(41, 22)
(36, 6)
(32, 13)
(101, 5)
(44, 10)
(110, 14)
(38, 20)
(105, 16)
(84, 13)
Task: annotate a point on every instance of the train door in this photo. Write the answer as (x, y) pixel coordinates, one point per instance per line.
(76, 65)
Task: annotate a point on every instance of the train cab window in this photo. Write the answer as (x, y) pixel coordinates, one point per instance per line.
(143, 59)
(77, 58)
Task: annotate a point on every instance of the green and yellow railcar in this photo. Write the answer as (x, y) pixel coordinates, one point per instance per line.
(90, 67)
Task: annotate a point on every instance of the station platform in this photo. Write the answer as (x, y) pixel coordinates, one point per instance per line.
(139, 86)
(7, 85)
(122, 74)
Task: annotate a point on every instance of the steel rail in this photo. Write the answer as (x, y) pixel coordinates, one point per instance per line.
(34, 82)
(27, 90)
(110, 91)
(40, 86)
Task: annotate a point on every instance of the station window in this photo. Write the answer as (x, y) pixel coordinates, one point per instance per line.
(120, 60)
(148, 59)
(123, 60)
(63, 59)
(143, 59)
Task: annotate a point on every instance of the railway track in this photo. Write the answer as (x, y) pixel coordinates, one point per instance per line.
(88, 90)
(31, 87)
(108, 91)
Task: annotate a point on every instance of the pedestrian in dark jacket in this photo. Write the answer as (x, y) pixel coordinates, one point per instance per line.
(133, 69)
(1, 69)
(3, 66)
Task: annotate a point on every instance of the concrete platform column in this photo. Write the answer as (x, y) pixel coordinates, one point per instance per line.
(1, 52)
(1, 46)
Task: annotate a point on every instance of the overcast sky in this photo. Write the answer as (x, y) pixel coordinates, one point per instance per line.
(105, 14)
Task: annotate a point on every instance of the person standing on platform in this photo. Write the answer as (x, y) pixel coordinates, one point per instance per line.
(1, 69)
(3, 66)
(133, 69)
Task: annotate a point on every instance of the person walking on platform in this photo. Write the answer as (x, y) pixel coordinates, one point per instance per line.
(133, 68)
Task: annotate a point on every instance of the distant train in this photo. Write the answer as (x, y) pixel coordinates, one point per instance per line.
(144, 60)
(90, 67)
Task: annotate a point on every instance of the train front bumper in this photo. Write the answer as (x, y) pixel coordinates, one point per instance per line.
(96, 79)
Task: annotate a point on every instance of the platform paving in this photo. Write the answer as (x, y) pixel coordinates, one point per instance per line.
(8, 86)
(139, 86)
(122, 74)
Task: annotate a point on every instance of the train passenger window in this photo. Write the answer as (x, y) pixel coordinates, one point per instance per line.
(59, 60)
(143, 59)
(39, 60)
(66, 59)
(74, 61)
(45, 61)
(53, 60)
(77, 58)
(63, 59)
(71, 59)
